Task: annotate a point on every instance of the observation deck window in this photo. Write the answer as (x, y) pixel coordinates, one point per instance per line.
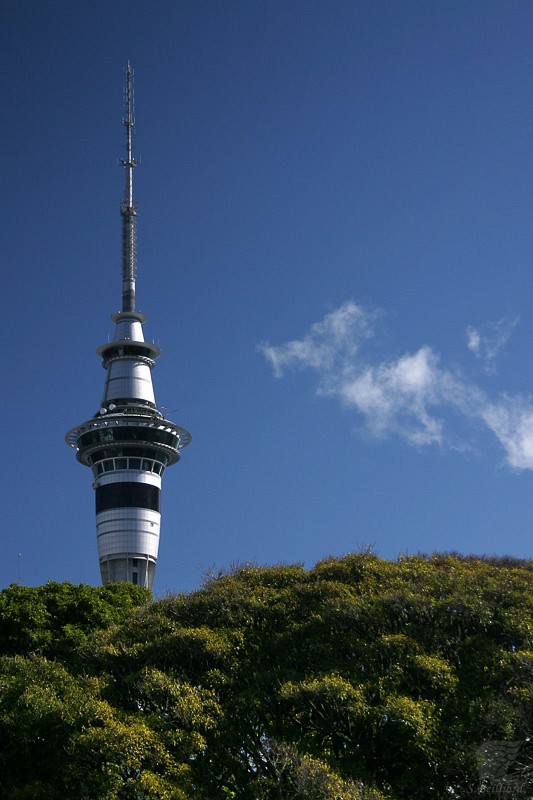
(115, 464)
(131, 350)
(129, 434)
(125, 452)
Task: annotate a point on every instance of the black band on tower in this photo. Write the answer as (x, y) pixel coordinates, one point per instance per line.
(127, 495)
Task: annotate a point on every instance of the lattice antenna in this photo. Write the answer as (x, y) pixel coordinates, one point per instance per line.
(128, 211)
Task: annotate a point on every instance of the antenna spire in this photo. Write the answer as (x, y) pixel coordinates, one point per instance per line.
(128, 211)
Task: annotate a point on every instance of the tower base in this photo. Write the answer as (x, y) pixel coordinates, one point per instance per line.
(130, 567)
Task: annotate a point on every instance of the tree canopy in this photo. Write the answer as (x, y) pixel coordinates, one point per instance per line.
(359, 679)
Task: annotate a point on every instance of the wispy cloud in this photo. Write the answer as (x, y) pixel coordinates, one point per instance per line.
(330, 343)
(511, 421)
(412, 395)
(487, 341)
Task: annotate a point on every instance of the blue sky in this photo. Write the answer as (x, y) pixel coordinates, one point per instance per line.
(335, 250)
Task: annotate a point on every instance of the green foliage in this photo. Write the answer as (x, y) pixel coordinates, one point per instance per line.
(360, 679)
(56, 618)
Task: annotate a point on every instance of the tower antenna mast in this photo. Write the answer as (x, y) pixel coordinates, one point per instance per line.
(128, 212)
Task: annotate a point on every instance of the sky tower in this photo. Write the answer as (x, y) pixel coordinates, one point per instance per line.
(128, 443)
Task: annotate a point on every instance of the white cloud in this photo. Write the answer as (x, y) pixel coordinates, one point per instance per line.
(334, 338)
(397, 396)
(487, 342)
(412, 396)
(511, 421)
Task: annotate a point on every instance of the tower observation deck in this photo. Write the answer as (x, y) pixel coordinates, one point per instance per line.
(128, 443)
